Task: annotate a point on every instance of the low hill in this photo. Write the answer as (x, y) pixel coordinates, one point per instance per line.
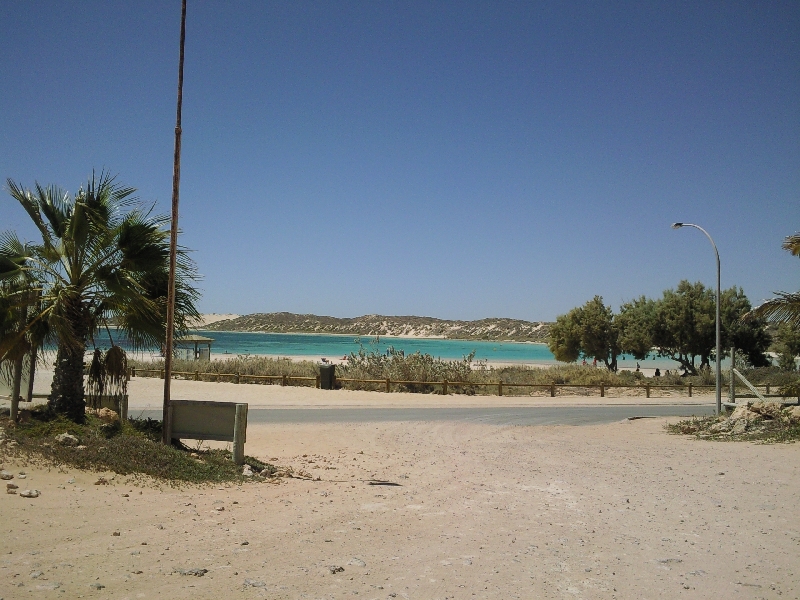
(372, 325)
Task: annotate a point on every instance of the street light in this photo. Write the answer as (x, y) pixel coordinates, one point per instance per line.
(719, 335)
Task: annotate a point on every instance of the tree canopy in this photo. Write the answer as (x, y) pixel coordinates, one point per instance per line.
(681, 325)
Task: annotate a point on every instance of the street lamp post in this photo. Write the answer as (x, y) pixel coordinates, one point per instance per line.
(719, 333)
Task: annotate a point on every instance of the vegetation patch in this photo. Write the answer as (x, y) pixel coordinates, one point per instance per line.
(765, 422)
(126, 448)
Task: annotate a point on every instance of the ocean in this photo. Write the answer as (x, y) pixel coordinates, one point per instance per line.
(336, 346)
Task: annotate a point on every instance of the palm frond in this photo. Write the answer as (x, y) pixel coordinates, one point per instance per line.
(784, 308)
(792, 244)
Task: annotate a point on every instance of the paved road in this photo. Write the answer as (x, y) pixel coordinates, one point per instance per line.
(547, 415)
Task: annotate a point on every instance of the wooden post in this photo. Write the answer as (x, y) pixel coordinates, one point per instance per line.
(161, 375)
(284, 380)
(444, 387)
(647, 389)
(237, 378)
(197, 375)
(499, 388)
(602, 391)
(552, 390)
(239, 433)
(133, 371)
(690, 389)
(167, 433)
(217, 377)
(388, 385)
(316, 382)
(767, 389)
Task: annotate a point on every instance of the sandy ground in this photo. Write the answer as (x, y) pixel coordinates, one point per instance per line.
(467, 511)
(419, 510)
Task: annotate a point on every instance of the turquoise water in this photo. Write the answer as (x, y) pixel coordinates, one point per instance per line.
(336, 346)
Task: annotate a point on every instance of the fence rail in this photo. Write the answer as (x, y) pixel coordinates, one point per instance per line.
(445, 386)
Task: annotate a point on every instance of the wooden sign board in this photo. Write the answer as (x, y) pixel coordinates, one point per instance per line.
(219, 421)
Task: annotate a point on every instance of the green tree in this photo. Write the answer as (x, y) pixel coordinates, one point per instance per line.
(635, 323)
(684, 328)
(103, 260)
(748, 337)
(588, 331)
(787, 342)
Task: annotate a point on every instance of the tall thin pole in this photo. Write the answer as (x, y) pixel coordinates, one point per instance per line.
(719, 330)
(173, 244)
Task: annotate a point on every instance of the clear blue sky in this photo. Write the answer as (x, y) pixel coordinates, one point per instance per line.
(458, 160)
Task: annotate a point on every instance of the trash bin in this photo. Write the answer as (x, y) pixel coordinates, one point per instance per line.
(327, 375)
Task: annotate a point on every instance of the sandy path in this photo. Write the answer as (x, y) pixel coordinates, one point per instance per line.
(613, 511)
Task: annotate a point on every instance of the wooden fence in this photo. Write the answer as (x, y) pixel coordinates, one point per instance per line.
(498, 387)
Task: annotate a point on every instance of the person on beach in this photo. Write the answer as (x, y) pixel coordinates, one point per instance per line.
(657, 373)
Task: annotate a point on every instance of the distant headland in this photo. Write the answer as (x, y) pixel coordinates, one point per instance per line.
(378, 325)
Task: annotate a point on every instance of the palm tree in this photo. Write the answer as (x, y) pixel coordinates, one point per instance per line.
(19, 337)
(103, 261)
(785, 307)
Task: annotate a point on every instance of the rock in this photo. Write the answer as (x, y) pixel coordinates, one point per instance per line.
(740, 426)
(101, 481)
(721, 427)
(357, 562)
(115, 534)
(6, 475)
(36, 574)
(247, 471)
(219, 508)
(96, 586)
(67, 439)
(335, 569)
(768, 410)
(30, 493)
(254, 583)
(740, 411)
(107, 415)
(792, 414)
(195, 572)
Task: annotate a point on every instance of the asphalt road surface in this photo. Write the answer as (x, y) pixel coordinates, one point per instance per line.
(544, 415)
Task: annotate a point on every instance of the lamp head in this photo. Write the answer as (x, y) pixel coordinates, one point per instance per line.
(677, 225)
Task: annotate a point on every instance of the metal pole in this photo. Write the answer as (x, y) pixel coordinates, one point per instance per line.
(719, 330)
(173, 243)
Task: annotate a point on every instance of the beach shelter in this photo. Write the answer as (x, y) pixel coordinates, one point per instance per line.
(190, 347)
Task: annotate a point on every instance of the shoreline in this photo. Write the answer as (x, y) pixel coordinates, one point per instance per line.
(370, 335)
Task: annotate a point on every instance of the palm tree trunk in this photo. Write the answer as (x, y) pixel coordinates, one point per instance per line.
(15, 386)
(16, 383)
(66, 393)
